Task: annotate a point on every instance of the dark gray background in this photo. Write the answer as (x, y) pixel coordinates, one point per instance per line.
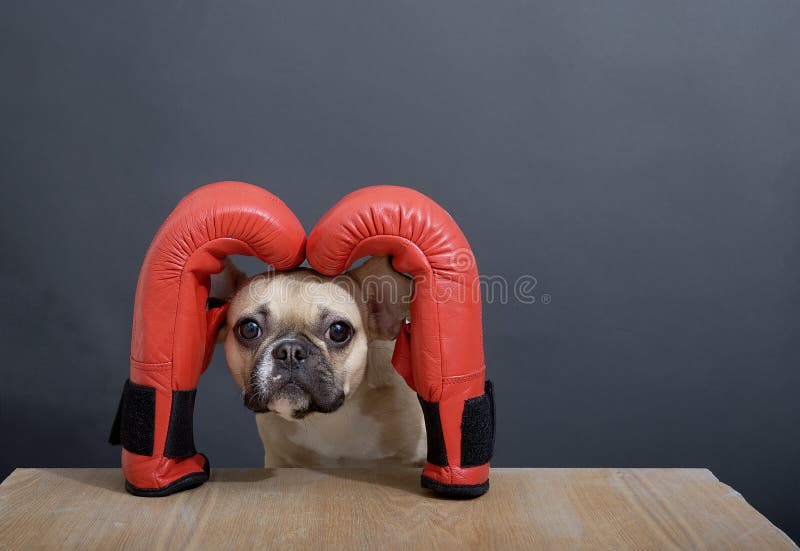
(640, 159)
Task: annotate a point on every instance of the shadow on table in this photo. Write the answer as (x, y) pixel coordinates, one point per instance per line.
(240, 475)
(404, 479)
(112, 479)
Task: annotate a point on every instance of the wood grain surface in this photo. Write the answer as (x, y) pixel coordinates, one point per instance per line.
(344, 509)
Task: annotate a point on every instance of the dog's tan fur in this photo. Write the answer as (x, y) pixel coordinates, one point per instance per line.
(380, 420)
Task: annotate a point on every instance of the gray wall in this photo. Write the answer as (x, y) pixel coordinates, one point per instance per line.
(640, 159)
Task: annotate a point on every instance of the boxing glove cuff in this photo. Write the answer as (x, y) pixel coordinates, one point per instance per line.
(134, 423)
(477, 440)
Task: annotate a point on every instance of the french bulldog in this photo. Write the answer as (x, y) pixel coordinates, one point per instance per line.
(312, 356)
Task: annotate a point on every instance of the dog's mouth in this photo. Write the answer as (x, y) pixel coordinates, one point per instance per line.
(291, 391)
(293, 399)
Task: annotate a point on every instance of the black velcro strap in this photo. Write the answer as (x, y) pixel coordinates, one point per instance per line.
(180, 435)
(477, 429)
(134, 423)
(433, 425)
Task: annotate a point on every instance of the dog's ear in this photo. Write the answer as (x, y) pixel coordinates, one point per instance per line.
(386, 294)
(223, 286)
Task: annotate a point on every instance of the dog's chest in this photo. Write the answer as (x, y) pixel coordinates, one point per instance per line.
(346, 434)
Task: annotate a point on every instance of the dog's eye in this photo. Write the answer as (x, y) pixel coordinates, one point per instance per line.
(249, 330)
(339, 332)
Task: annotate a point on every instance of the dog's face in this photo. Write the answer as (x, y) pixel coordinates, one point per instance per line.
(296, 342)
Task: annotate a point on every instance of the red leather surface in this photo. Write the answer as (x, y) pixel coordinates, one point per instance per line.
(442, 358)
(173, 334)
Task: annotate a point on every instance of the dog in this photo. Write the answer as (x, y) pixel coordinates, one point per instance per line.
(312, 356)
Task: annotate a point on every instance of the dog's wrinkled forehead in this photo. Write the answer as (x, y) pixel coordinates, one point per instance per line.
(294, 300)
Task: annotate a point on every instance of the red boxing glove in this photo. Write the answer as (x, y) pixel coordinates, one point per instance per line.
(174, 332)
(440, 353)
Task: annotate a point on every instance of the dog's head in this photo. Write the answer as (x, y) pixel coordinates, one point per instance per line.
(296, 342)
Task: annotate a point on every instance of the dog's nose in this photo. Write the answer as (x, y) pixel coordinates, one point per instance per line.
(292, 352)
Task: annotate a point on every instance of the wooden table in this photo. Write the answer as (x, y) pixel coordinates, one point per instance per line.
(339, 509)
